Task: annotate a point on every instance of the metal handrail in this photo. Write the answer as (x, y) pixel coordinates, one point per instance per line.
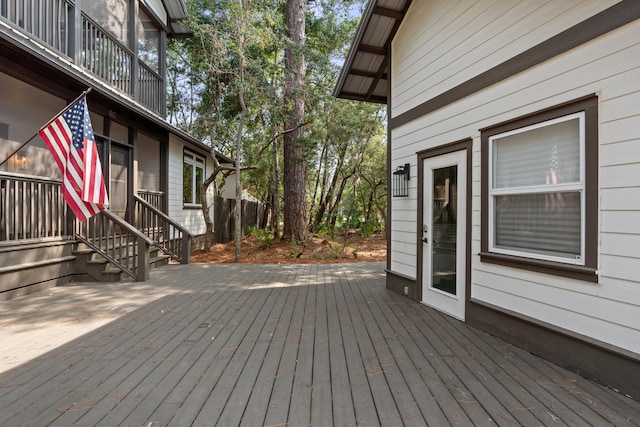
(170, 237)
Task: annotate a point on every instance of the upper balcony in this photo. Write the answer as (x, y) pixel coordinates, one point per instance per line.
(118, 41)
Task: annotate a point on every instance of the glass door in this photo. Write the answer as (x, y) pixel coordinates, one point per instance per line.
(444, 233)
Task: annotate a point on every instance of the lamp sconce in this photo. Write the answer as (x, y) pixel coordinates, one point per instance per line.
(401, 181)
(20, 160)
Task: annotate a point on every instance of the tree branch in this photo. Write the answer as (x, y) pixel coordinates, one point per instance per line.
(278, 135)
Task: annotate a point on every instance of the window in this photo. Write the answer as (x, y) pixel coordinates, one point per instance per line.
(539, 206)
(193, 177)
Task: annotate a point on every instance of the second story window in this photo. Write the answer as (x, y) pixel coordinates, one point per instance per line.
(148, 41)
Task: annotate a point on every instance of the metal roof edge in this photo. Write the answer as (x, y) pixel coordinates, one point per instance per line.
(364, 21)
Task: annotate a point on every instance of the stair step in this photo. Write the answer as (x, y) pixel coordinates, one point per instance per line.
(159, 258)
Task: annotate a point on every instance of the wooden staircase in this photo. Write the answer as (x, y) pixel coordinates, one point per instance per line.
(110, 249)
(91, 266)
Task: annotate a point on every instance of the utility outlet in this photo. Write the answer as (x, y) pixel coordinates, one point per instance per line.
(406, 290)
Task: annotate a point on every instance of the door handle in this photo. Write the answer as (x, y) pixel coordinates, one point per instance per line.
(425, 239)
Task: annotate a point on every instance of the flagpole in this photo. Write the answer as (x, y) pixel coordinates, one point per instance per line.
(64, 110)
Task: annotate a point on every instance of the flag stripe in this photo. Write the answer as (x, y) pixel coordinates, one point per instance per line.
(55, 145)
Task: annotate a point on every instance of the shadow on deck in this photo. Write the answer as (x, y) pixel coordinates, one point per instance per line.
(272, 345)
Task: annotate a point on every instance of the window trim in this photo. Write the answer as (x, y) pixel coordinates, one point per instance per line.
(191, 158)
(587, 269)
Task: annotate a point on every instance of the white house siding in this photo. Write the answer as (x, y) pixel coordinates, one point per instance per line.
(189, 218)
(483, 33)
(609, 66)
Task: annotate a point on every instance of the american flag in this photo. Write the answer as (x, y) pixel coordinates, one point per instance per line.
(70, 139)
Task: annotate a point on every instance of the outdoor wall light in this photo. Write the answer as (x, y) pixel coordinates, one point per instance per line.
(20, 160)
(401, 177)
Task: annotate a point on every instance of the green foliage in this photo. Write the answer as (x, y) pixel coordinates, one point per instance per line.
(342, 139)
(295, 250)
(338, 249)
(262, 236)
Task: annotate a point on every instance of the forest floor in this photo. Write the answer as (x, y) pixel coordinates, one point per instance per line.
(317, 250)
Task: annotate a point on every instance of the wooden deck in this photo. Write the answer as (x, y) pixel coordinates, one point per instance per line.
(273, 345)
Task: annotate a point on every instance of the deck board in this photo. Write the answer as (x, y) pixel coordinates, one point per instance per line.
(321, 399)
(341, 399)
(278, 410)
(258, 403)
(279, 345)
(361, 394)
(374, 367)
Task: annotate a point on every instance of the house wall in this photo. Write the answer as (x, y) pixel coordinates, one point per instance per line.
(440, 45)
(425, 64)
(191, 218)
(24, 109)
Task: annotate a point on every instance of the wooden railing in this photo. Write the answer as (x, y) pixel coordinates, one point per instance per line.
(31, 208)
(167, 235)
(154, 198)
(47, 20)
(117, 241)
(150, 91)
(105, 56)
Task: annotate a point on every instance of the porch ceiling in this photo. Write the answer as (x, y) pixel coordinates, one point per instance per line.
(364, 75)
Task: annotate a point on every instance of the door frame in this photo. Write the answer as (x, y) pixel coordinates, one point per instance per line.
(462, 145)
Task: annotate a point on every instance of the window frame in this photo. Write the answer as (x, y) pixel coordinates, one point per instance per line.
(586, 268)
(576, 186)
(190, 158)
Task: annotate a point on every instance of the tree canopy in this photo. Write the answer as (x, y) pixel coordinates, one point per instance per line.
(248, 83)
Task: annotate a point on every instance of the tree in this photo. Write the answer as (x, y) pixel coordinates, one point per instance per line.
(249, 96)
(220, 68)
(295, 203)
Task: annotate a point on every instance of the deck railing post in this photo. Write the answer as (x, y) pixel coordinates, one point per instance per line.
(186, 249)
(142, 273)
(75, 30)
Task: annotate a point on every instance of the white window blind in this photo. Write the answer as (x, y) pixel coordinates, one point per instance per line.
(537, 189)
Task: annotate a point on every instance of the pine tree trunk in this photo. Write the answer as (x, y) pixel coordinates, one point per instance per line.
(295, 207)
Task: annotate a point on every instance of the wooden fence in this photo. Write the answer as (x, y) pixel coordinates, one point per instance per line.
(224, 217)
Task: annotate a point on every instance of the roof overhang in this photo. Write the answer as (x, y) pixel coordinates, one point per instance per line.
(176, 12)
(365, 73)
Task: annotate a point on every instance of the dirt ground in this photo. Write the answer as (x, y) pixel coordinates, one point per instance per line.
(317, 250)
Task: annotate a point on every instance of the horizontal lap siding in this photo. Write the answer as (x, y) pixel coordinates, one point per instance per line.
(466, 38)
(608, 66)
(189, 218)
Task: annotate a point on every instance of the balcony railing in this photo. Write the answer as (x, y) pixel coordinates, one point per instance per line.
(105, 56)
(150, 87)
(47, 20)
(51, 22)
